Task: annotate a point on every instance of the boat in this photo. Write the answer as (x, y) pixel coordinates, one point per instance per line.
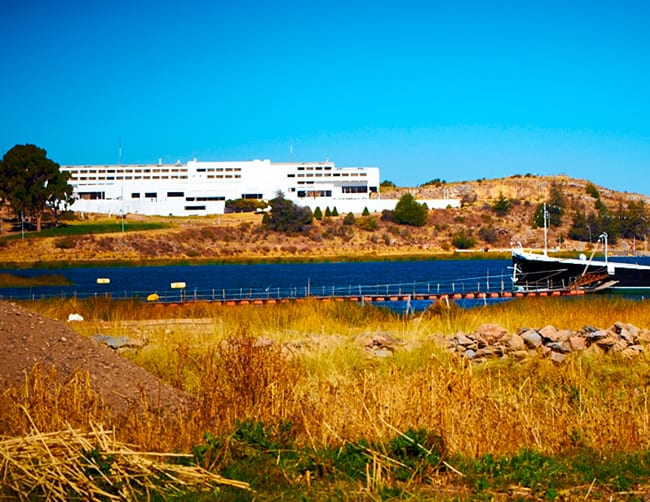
(538, 272)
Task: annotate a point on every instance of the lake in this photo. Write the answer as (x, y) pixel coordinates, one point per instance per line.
(275, 280)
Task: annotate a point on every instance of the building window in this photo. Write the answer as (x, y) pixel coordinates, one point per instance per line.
(251, 196)
(91, 195)
(194, 208)
(151, 195)
(135, 195)
(175, 194)
(355, 189)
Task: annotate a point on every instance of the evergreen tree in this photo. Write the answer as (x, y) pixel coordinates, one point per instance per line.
(410, 212)
(318, 214)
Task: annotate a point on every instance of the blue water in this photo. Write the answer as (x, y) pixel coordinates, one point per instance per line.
(276, 280)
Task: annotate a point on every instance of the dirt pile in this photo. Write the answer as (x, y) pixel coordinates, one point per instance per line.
(27, 339)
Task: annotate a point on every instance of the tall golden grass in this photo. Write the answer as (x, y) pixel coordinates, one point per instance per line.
(306, 364)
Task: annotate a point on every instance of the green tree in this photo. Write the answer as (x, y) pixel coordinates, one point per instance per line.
(318, 214)
(387, 184)
(328, 212)
(365, 212)
(408, 211)
(335, 212)
(288, 217)
(555, 206)
(32, 183)
(502, 205)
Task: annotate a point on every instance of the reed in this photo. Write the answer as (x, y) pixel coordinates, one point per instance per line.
(305, 364)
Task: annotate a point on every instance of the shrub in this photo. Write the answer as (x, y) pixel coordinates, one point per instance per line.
(463, 240)
(349, 219)
(318, 214)
(365, 212)
(65, 243)
(288, 217)
(368, 224)
(410, 212)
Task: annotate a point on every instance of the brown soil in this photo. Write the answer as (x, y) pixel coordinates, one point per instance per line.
(28, 339)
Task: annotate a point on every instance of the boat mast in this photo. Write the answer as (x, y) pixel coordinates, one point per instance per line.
(603, 236)
(545, 230)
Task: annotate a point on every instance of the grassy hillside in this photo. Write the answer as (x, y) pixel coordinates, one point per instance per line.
(241, 237)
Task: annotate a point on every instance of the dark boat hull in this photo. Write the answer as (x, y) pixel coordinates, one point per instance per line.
(543, 273)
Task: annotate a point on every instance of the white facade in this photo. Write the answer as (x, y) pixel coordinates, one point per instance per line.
(202, 188)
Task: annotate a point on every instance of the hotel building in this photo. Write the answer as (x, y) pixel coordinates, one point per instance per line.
(202, 188)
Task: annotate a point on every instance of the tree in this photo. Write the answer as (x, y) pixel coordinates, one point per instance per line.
(288, 217)
(32, 183)
(502, 205)
(318, 214)
(410, 212)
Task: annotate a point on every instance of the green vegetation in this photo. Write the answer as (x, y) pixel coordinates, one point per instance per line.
(408, 211)
(32, 183)
(463, 240)
(287, 217)
(18, 281)
(245, 205)
(79, 229)
(502, 205)
(289, 401)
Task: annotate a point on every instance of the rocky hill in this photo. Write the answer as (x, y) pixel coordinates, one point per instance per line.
(241, 237)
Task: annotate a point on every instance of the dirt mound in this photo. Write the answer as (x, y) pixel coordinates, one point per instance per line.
(28, 338)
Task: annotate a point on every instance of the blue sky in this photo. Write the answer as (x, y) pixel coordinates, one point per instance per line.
(456, 90)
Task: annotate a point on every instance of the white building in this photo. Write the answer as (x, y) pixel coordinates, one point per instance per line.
(202, 188)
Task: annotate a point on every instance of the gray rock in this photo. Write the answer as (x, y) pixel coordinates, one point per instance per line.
(470, 354)
(532, 338)
(562, 347)
(596, 335)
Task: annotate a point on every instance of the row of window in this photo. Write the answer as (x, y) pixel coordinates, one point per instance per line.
(312, 168)
(324, 175)
(171, 195)
(125, 177)
(314, 193)
(218, 169)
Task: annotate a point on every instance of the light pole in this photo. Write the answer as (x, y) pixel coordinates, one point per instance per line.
(589, 228)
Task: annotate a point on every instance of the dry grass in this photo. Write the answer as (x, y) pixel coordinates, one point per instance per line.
(92, 465)
(306, 364)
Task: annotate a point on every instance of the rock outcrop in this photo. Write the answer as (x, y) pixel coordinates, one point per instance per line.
(490, 340)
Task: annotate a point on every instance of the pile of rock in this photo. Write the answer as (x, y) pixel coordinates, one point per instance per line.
(492, 340)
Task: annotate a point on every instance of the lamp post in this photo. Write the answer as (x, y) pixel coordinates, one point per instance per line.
(589, 228)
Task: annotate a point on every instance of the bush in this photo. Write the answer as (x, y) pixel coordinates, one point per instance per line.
(365, 212)
(463, 240)
(368, 224)
(318, 214)
(410, 212)
(65, 243)
(287, 217)
(349, 219)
